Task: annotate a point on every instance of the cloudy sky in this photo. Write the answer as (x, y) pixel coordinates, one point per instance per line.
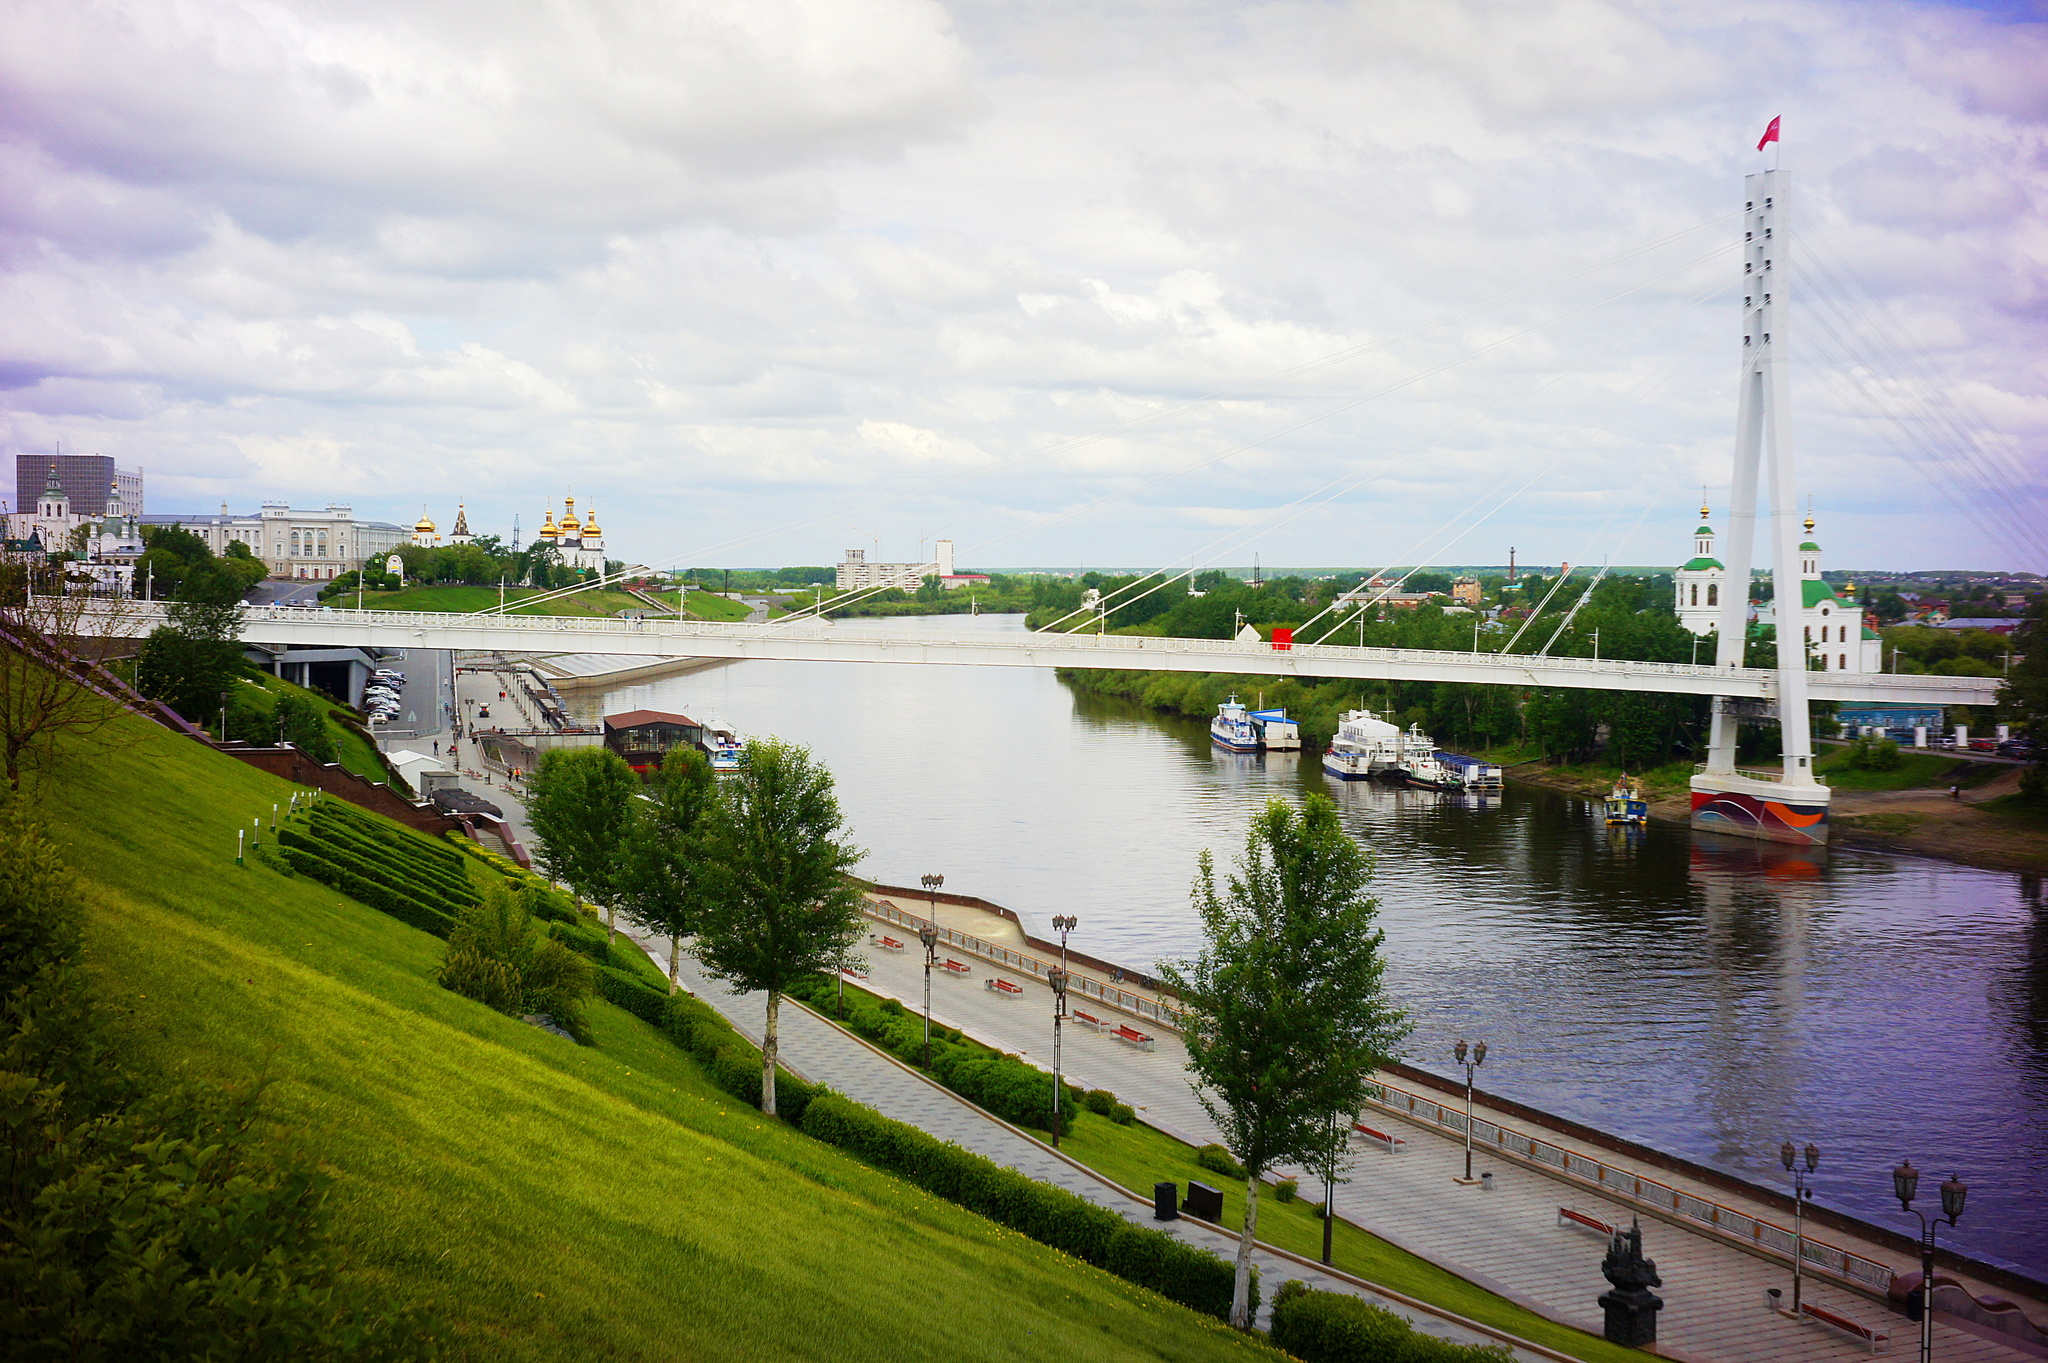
(1120, 284)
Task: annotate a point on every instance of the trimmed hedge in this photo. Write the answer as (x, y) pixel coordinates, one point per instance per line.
(392, 880)
(732, 1061)
(376, 895)
(1053, 1216)
(376, 827)
(1335, 1327)
(450, 882)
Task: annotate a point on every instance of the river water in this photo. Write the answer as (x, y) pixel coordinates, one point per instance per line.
(1710, 997)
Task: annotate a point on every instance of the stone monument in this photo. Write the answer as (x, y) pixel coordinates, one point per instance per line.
(1630, 1305)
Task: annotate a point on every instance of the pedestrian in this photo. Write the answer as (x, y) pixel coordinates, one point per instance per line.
(1955, 793)
(437, 747)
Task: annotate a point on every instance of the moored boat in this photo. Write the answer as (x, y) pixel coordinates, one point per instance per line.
(1625, 803)
(1473, 773)
(1365, 745)
(1425, 770)
(723, 745)
(1233, 729)
(1277, 733)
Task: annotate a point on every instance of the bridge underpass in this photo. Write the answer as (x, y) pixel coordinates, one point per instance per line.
(819, 641)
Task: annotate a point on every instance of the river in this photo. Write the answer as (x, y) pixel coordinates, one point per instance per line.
(1709, 997)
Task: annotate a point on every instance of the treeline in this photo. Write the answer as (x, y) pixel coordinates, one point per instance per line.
(484, 562)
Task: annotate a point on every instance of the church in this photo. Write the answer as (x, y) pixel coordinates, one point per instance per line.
(579, 543)
(1836, 636)
(106, 546)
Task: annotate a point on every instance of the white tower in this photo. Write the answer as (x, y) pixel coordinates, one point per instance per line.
(1701, 581)
(1793, 809)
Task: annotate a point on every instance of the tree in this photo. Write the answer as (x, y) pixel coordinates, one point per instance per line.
(498, 956)
(659, 869)
(776, 904)
(189, 662)
(579, 802)
(47, 694)
(2024, 697)
(303, 724)
(1286, 1013)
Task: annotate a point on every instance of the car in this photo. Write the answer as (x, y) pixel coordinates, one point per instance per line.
(379, 698)
(389, 674)
(380, 705)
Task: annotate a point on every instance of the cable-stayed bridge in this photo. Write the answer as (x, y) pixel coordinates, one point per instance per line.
(814, 641)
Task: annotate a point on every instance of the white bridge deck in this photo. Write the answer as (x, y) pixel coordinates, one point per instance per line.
(813, 641)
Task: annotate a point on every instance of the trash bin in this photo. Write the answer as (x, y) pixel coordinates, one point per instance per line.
(1203, 1202)
(1164, 1196)
(1486, 1182)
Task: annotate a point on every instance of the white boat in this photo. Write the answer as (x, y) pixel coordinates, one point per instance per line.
(1277, 733)
(1233, 728)
(723, 744)
(1365, 745)
(1427, 771)
(1474, 773)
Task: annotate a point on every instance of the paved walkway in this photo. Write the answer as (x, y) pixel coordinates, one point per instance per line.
(1507, 1239)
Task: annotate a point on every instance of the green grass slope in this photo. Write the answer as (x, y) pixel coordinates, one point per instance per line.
(458, 599)
(553, 1201)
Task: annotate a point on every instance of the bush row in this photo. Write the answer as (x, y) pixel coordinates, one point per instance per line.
(1335, 1327)
(403, 907)
(733, 1062)
(392, 879)
(1194, 1278)
(397, 836)
(450, 882)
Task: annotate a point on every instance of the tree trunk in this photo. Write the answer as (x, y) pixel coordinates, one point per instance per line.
(1241, 1290)
(675, 947)
(611, 934)
(768, 1047)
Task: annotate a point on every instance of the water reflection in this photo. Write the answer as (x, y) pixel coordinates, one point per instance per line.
(1709, 996)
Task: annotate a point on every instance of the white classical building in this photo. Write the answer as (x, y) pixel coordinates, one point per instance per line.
(298, 544)
(857, 574)
(1836, 636)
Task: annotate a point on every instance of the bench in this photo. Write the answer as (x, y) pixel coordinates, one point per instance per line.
(1567, 1217)
(957, 967)
(1394, 1144)
(1876, 1339)
(1088, 1020)
(1134, 1037)
(887, 943)
(996, 986)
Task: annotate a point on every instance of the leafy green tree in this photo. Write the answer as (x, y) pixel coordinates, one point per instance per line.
(659, 871)
(1287, 1014)
(498, 956)
(189, 662)
(2024, 697)
(304, 724)
(580, 803)
(776, 904)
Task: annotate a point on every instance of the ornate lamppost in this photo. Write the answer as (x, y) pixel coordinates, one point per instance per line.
(1058, 978)
(929, 935)
(1471, 1058)
(1802, 1193)
(1905, 1183)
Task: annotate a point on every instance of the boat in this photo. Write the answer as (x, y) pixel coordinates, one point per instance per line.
(1365, 746)
(1277, 733)
(724, 746)
(1625, 803)
(1425, 770)
(1473, 773)
(1233, 728)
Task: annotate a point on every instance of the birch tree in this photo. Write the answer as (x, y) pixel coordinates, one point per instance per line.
(659, 889)
(773, 861)
(1287, 1017)
(580, 805)
(49, 695)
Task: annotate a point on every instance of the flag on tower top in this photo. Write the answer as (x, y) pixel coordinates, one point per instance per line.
(1770, 135)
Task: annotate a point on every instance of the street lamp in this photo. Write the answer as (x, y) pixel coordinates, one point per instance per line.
(1057, 977)
(929, 935)
(1802, 1193)
(1471, 1059)
(1905, 1183)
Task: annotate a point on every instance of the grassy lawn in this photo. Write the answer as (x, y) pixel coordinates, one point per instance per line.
(1914, 769)
(554, 1201)
(1137, 1156)
(707, 605)
(457, 599)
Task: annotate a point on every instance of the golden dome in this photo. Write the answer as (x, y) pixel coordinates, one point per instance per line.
(570, 525)
(423, 525)
(1809, 521)
(548, 529)
(590, 530)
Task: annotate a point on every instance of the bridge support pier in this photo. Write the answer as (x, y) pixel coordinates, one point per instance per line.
(1750, 806)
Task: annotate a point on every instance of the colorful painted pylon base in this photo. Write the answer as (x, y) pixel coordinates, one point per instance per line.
(1744, 807)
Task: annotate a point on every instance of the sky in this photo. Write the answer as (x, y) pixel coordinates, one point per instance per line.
(1114, 285)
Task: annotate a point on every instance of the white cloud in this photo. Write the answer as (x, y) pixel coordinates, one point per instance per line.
(725, 266)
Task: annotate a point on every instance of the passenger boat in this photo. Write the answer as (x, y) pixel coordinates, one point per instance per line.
(1233, 728)
(1425, 770)
(1365, 746)
(1625, 803)
(1473, 773)
(1277, 733)
(723, 744)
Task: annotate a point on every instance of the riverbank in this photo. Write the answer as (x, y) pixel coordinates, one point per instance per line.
(1984, 827)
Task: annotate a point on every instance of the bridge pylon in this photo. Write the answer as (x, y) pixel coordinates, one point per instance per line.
(1792, 806)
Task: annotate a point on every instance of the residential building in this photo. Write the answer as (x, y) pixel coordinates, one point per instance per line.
(87, 480)
(857, 574)
(1465, 591)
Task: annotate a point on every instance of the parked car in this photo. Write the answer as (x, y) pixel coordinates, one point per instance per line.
(389, 674)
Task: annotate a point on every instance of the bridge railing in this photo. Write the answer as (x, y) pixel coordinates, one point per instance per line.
(1632, 1188)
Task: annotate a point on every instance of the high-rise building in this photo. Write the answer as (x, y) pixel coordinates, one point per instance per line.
(85, 478)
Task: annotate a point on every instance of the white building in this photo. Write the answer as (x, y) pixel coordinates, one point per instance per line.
(297, 544)
(1836, 636)
(579, 543)
(103, 545)
(857, 574)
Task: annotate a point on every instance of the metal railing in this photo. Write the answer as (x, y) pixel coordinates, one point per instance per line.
(1700, 769)
(1151, 1010)
(1632, 1188)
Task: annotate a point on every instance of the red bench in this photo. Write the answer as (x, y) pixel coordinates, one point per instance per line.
(1874, 1338)
(957, 967)
(1394, 1144)
(887, 943)
(1088, 1020)
(852, 973)
(996, 986)
(1567, 1217)
(1134, 1037)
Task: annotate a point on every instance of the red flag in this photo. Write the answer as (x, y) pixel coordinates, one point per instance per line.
(1770, 135)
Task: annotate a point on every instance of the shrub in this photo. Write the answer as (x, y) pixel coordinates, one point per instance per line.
(1123, 1114)
(403, 907)
(1285, 1190)
(1872, 753)
(1217, 1160)
(1335, 1327)
(1099, 1101)
(499, 958)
